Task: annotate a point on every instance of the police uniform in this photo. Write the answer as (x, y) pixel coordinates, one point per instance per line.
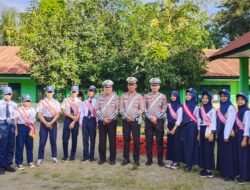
(88, 122)
(8, 114)
(107, 107)
(131, 105)
(49, 109)
(26, 132)
(155, 105)
(71, 106)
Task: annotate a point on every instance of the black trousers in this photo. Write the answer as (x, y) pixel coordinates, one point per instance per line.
(110, 131)
(152, 130)
(129, 127)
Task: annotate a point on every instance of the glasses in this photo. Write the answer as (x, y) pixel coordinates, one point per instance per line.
(27, 101)
(73, 92)
(49, 92)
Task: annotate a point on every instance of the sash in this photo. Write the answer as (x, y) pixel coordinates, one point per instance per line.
(154, 102)
(189, 113)
(131, 103)
(239, 123)
(27, 121)
(172, 112)
(73, 105)
(107, 104)
(221, 117)
(90, 108)
(49, 107)
(205, 117)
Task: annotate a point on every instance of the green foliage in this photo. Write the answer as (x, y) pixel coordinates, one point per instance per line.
(85, 42)
(233, 19)
(8, 27)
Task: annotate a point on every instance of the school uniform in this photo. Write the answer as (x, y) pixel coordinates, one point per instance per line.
(155, 104)
(174, 118)
(49, 109)
(8, 114)
(73, 107)
(88, 121)
(190, 131)
(207, 127)
(227, 155)
(243, 125)
(26, 133)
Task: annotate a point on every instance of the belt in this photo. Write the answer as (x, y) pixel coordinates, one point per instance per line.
(86, 117)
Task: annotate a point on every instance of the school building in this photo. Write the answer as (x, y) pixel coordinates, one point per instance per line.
(221, 73)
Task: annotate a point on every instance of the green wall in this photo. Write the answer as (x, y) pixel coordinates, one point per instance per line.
(27, 85)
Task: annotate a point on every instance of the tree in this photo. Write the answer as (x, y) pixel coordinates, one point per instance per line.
(233, 19)
(8, 27)
(86, 42)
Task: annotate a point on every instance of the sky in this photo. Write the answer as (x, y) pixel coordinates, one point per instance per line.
(209, 5)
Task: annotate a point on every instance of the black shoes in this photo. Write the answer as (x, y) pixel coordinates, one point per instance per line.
(205, 173)
(9, 169)
(148, 163)
(64, 158)
(161, 164)
(240, 181)
(101, 162)
(112, 162)
(137, 163)
(71, 158)
(227, 178)
(125, 162)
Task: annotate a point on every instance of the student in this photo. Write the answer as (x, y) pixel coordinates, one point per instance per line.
(226, 156)
(48, 112)
(8, 115)
(88, 124)
(243, 127)
(207, 128)
(173, 125)
(26, 132)
(190, 130)
(71, 108)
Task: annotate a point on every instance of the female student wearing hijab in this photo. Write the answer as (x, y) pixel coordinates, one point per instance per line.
(190, 130)
(173, 125)
(226, 156)
(207, 128)
(243, 126)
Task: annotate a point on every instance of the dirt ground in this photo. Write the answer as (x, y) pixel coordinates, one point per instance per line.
(76, 175)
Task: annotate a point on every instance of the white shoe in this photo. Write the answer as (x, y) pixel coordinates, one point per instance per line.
(20, 167)
(169, 165)
(174, 166)
(54, 160)
(31, 165)
(39, 162)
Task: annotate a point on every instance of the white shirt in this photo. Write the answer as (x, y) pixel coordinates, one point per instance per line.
(85, 110)
(179, 114)
(12, 109)
(212, 115)
(45, 112)
(30, 112)
(66, 105)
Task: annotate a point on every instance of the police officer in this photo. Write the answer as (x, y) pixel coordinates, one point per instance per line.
(8, 114)
(88, 124)
(71, 108)
(131, 108)
(26, 132)
(155, 108)
(107, 110)
(48, 112)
